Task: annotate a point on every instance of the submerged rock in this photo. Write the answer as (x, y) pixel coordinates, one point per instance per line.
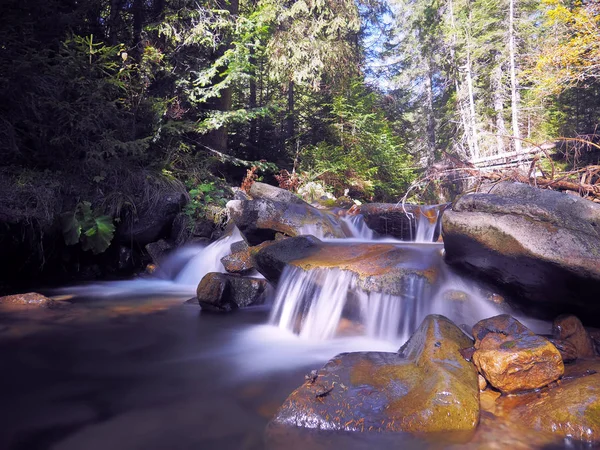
(384, 268)
(570, 329)
(260, 220)
(570, 409)
(542, 246)
(512, 358)
(221, 292)
(31, 299)
(426, 387)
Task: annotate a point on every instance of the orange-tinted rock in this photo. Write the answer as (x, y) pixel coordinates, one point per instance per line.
(31, 299)
(570, 328)
(570, 409)
(481, 382)
(426, 387)
(512, 358)
(380, 267)
(568, 351)
(240, 262)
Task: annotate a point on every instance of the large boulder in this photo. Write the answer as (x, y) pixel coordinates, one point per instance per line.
(383, 267)
(541, 246)
(426, 387)
(401, 220)
(153, 219)
(222, 292)
(260, 220)
(512, 358)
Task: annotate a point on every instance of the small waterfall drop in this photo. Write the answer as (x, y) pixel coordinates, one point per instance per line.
(427, 223)
(324, 303)
(207, 260)
(356, 227)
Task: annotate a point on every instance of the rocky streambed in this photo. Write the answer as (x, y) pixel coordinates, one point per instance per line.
(476, 368)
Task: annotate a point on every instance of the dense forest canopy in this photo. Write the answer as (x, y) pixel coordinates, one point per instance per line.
(360, 95)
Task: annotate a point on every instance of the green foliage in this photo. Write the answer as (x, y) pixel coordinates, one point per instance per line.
(207, 199)
(86, 226)
(366, 156)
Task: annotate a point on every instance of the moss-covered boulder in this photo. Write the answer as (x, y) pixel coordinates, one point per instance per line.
(542, 246)
(512, 358)
(426, 387)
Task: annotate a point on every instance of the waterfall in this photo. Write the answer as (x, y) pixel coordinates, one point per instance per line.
(356, 227)
(427, 223)
(313, 303)
(322, 303)
(207, 260)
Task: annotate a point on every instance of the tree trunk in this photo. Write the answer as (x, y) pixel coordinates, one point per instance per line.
(289, 122)
(113, 21)
(473, 118)
(514, 96)
(498, 94)
(457, 86)
(218, 138)
(430, 114)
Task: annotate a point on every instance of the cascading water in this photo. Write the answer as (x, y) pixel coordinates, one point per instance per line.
(319, 303)
(357, 228)
(178, 274)
(426, 223)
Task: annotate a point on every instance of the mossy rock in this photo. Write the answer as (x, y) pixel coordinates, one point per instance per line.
(426, 387)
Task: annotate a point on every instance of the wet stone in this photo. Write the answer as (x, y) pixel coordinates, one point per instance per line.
(31, 299)
(221, 292)
(426, 387)
(570, 409)
(512, 358)
(570, 329)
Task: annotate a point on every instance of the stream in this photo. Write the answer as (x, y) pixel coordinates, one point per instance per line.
(132, 366)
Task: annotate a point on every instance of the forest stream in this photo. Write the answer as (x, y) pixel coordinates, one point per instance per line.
(132, 366)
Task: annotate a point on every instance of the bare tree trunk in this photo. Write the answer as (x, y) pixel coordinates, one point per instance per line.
(499, 105)
(289, 121)
(457, 85)
(513, 77)
(473, 118)
(430, 115)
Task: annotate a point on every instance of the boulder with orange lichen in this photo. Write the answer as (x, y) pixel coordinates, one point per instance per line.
(512, 358)
(380, 267)
(426, 387)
